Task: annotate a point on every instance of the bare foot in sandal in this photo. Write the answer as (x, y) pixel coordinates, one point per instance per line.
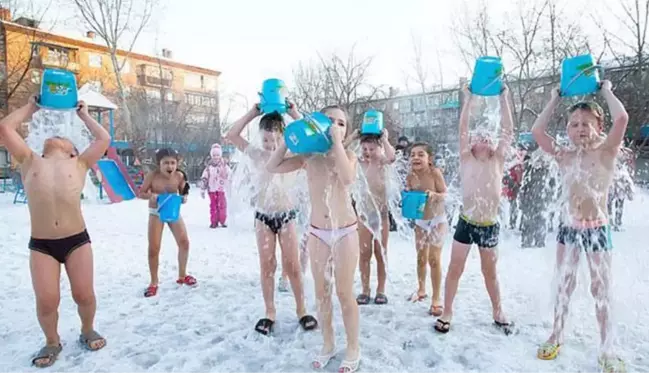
(436, 310)
(47, 356)
(92, 340)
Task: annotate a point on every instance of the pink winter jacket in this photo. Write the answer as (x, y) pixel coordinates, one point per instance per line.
(215, 177)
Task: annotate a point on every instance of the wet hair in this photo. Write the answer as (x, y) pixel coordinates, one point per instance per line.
(272, 122)
(591, 107)
(164, 153)
(76, 151)
(403, 138)
(371, 138)
(338, 107)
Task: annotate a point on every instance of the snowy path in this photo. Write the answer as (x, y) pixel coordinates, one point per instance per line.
(210, 328)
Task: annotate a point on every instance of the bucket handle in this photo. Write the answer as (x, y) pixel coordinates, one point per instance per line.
(584, 71)
(165, 201)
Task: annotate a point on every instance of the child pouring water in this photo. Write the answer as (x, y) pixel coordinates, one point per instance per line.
(275, 216)
(374, 230)
(430, 231)
(166, 179)
(333, 242)
(587, 170)
(213, 180)
(482, 164)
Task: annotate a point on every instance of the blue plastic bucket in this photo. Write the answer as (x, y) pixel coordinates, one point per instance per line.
(272, 97)
(372, 123)
(413, 204)
(309, 134)
(169, 207)
(58, 90)
(487, 76)
(579, 76)
(526, 138)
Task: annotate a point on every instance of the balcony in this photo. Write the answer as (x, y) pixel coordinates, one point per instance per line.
(46, 55)
(154, 76)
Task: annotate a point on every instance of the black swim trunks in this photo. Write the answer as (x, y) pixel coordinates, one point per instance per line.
(483, 235)
(60, 248)
(587, 239)
(275, 222)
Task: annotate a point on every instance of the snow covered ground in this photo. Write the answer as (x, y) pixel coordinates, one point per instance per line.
(210, 328)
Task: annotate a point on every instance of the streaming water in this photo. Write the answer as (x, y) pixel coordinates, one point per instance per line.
(48, 123)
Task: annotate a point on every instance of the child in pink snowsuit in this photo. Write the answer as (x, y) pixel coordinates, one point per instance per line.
(214, 180)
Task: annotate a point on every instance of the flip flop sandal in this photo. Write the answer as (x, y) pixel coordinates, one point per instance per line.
(380, 299)
(548, 351)
(436, 311)
(187, 280)
(89, 338)
(442, 326)
(321, 361)
(611, 365)
(506, 327)
(415, 297)
(265, 326)
(363, 299)
(151, 291)
(349, 366)
(308, 322)
(51, 353)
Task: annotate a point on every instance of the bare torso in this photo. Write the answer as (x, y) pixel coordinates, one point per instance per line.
(161, 184)
(481, 188)
(375, 174)
(272, 189)
(586, 176)
(426, 181)
(331, 205)
(53, 188)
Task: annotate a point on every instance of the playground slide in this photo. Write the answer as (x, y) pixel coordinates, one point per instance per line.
(115, 178)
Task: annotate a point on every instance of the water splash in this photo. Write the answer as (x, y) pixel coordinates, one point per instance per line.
(46, 124)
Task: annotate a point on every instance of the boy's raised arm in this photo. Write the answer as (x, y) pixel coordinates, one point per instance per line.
(539, 130)
(11, 139)
(619, 116)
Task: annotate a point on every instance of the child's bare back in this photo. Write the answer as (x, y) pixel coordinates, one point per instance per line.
(53, 188)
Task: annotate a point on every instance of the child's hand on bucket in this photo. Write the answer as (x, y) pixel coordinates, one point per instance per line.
(337, 133)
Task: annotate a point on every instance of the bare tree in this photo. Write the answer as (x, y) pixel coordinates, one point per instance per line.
(21, 54)
(419, 71)
(117, 23)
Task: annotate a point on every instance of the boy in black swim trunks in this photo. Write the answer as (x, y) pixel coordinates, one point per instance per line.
(275, 216)
(481, 172)
(587, 169)
(58, 230)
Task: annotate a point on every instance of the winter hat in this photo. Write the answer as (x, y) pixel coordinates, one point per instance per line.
(216, 151)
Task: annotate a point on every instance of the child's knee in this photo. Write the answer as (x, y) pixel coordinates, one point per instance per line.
(154, 250)
(599, 290)
(183, 244)
(83, 297)
(47, 304)
(378, 252)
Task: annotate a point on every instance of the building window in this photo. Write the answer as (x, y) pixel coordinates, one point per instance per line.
(200, 100)
(193, 81)
(126, 67)
(170, 96)
(154, 94)
(94, 60)
(95, 85)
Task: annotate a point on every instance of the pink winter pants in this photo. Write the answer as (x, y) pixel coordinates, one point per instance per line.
(218, 207)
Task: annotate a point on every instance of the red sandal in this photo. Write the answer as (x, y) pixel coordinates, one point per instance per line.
(188, 280)
(151, 291)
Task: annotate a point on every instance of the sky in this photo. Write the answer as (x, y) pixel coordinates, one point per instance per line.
(249, 41)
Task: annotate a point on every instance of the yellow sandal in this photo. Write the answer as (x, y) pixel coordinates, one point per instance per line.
(548, 351)
(612, 364)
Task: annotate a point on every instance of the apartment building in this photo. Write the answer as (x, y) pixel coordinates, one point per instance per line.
(26, 49)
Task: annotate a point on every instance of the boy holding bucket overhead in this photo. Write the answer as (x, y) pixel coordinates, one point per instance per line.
(53, 183)
(166, 188)
(587, 169)
(482, 166)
